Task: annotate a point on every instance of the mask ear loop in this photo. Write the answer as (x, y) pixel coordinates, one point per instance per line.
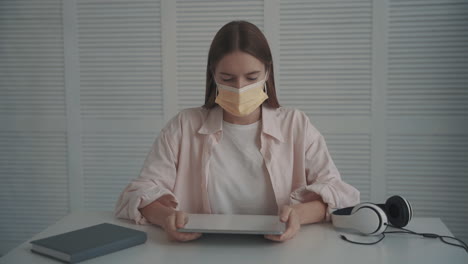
(216, 83)
(265, 84)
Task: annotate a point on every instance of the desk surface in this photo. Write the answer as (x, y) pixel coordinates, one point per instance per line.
(316, 243)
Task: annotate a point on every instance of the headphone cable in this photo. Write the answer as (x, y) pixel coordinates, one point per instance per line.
(431, 235)
(362, 243)
(407, 231)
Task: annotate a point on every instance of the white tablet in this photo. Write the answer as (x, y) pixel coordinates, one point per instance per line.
(234, 224)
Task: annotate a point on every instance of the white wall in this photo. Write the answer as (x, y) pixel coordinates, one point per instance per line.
(86, 85)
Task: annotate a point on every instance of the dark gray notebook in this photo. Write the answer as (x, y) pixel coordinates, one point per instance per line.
(89, 242)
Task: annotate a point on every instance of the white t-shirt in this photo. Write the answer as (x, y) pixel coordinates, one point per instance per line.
(239, 182)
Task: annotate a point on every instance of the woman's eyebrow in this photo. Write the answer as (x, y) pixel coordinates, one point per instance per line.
(249, 73)
(253, 72)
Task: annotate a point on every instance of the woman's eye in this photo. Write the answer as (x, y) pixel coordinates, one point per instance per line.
(232, 79)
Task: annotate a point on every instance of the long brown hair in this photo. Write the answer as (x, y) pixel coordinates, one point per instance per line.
(239, 36)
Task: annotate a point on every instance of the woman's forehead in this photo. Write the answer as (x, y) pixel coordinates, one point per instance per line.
(239, 63)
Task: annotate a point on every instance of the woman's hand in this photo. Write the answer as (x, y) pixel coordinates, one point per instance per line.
(289, 216)
(162, 213)
(178, 220)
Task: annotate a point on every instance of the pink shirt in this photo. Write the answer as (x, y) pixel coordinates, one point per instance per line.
(294, 151)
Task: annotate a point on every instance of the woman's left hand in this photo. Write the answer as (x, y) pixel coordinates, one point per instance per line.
(289, 216)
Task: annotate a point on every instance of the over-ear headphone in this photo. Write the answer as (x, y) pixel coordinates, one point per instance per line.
(373, 219)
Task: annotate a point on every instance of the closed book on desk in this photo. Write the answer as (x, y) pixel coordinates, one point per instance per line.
(89, 242)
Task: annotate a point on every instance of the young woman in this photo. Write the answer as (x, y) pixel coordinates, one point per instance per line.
(240, 153)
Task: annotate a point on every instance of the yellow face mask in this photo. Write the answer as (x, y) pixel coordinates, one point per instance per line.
(242, 101)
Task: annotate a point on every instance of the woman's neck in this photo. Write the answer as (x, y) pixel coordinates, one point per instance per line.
(244, 120)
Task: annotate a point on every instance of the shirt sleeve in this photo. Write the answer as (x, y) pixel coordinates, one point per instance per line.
(156, 179)
(323, 178)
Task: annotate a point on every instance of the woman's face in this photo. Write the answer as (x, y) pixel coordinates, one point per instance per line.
(239, 69)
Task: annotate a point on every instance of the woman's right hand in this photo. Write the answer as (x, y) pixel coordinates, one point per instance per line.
(176, 220)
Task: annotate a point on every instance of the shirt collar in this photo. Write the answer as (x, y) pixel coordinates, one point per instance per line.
(270, 122)
(214, 121)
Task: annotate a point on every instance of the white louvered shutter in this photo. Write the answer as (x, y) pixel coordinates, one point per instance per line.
(33, 155)
(197, 23)
(352, 155)
(427, 59)
(110, 160)
(325, 71)
(427, 99)
(33, 193)
(120, 59)
(121, 93)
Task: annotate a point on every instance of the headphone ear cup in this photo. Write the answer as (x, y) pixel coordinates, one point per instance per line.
(369, 219)
(398, 211)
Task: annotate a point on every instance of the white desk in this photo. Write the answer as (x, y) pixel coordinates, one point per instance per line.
(317, 243)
